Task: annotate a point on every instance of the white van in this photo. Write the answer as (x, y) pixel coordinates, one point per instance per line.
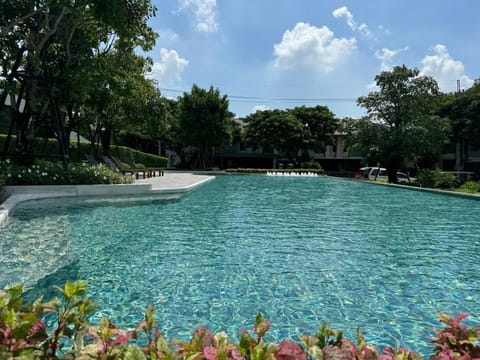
(376, 173)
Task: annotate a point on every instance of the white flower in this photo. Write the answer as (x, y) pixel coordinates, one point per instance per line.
(104, 178)
(9, 175)
(7, 161)
(44, 174)
(19, 175)
(29, 170)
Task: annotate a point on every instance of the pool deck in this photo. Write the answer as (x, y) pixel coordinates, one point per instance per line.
(170, 183)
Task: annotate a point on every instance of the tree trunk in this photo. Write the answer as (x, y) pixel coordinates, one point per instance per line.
(106, 137)
(392, 169)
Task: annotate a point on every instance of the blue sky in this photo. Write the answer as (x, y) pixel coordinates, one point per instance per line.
(286, 53)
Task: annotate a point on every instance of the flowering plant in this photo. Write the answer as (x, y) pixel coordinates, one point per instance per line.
(54, 173)
(24, 335)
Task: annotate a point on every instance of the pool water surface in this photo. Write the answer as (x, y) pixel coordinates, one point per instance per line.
(299, 250)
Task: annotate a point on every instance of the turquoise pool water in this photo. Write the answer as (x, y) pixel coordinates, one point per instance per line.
(300, 250)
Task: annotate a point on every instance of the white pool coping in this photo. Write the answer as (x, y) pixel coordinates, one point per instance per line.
(171, 183)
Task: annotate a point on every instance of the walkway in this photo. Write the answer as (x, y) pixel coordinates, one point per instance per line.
(175, 181)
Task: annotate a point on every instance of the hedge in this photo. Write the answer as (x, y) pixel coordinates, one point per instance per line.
(78, 154)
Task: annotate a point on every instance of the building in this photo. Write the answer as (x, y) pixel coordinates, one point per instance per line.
(335, 159)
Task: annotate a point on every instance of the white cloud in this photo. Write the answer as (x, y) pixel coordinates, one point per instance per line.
(167, 35)
(168, 71)
(313, 47)
(386, 56)
(352, 24)
(259, 108)
(384, 30)
(205, 13)
(444, 69)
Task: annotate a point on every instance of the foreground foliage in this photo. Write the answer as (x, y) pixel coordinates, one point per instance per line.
(24, 335)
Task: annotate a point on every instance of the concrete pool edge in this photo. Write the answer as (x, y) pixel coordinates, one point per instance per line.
(421, 189)
(19, 194)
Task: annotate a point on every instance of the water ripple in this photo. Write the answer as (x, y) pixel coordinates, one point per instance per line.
(302, 251)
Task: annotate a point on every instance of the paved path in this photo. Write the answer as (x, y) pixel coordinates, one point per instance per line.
(175, 181)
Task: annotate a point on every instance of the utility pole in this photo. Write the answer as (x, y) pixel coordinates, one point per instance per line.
(459, 145)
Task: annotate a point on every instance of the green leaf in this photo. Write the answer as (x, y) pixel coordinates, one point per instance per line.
(132, 352)
(150, 316)
(15, 291)
(69, 290)
(77, 288)
(10, 318)
(26, 354)
(360, 338)
(259, 319)
(258, 353)
(244, 344)
(104, 329)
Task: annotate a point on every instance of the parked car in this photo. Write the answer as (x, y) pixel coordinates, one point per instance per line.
(376, 173)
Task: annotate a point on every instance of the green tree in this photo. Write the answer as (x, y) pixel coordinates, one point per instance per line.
(319, 127)
(205, 123)
(400, 119)
(463, 113)
(123, 100)
(47, 53)
(277, 129)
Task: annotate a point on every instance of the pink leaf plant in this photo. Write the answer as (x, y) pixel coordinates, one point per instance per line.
(456, 341)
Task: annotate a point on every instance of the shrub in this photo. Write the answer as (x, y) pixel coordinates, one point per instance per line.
(54, 173)
(78, 152)
(24, 335)
(471, 187)
(310, 165)
(435, 179)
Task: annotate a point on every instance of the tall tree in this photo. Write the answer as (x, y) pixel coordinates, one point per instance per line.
(205, 123)
(463, 112)
(46, 51)
(399, 114)
(121, 98)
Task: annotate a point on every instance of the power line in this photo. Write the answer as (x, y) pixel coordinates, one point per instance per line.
(254, 99)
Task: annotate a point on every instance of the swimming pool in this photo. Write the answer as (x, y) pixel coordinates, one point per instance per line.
(300, 250)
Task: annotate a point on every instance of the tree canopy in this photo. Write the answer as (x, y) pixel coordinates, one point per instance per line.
(50, 57)
(401, 124)
(293, 132)
(205, 123)
(276, 129)
(463, 111)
